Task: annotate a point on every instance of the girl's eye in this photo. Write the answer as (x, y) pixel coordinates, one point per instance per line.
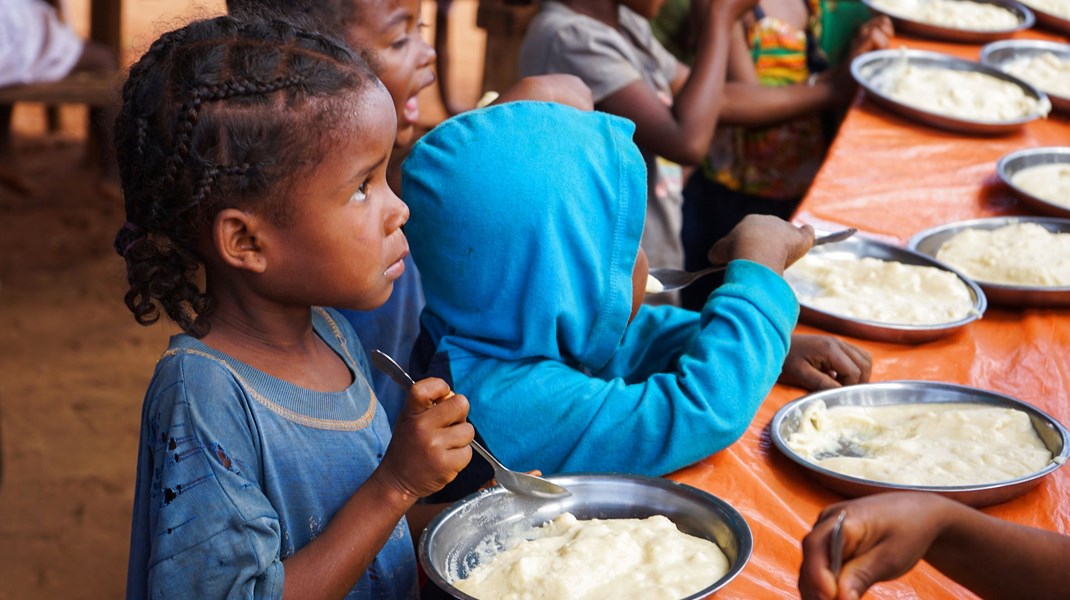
(400, 43)
(361, 194)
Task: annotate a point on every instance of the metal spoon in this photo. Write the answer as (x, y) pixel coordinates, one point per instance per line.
(674, 279)
(514, 481)
(836, 545)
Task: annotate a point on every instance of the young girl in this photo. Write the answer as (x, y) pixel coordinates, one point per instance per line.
(389, 31)
(258, 153)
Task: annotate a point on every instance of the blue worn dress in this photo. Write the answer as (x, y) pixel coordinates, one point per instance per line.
(238, 470)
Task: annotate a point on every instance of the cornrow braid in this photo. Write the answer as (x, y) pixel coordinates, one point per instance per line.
(220, 113)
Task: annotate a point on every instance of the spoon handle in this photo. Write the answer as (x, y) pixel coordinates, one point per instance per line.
(494, 464)
(387, 365)
(836, 545)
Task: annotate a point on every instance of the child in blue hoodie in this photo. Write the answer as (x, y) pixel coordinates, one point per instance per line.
(525, 224)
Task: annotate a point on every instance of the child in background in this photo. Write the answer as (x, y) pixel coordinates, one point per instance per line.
(887, 534)
(258, 152)
(608, 44)
(773, 129)
(389, 31)
(529, 245)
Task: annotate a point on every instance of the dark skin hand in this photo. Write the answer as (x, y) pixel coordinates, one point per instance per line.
(429, 447)
(821, 362)
(887, 534)
(814, 362)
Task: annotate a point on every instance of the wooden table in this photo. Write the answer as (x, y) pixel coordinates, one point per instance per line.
(891, 178)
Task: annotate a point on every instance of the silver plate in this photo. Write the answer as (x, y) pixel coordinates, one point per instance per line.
(1012, 163)
(928, 242)
(998, 54)
(450, 546)
(786, 421)
(887, 332)
(1050, 20)
(864, 67)
(971, 36)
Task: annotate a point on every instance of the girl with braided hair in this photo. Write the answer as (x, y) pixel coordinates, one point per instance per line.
(253, 163)
(389, 32)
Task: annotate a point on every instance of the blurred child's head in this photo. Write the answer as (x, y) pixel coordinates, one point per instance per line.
(387, 29)
(526, 221)
(229, 130)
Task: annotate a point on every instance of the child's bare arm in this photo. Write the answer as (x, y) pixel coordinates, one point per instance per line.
(429, 447)
(682, 132)
(749, 104)
(887, 534)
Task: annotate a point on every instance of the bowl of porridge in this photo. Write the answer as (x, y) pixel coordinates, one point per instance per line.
(948, 92)
(1053, 14)
(620, 536)
(1017, 261)
(1040, 178)
(972, 445)
(873, 290)
(1044, 65)
(968, 21)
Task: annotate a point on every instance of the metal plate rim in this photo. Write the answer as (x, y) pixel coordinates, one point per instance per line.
(963, 492)
(860, 63)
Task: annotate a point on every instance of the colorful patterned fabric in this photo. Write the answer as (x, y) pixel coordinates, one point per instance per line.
(778, 161)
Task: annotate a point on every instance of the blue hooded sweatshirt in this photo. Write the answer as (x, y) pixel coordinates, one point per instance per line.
(525, 225)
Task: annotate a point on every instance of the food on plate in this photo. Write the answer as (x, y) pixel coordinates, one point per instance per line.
(923, 444)
(954, 14)
(959, 94)
(1046, 70)
(1047, 182)
(572, 559)
(653, 285)
(877, 290)
(1018, 254)
(1059, 8)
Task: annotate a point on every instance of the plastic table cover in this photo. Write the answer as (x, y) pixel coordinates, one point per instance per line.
(892, 177)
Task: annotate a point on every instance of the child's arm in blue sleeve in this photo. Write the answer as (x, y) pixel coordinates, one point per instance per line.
(695, 407)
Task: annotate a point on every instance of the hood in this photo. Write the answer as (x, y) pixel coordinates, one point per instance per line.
(525, 225)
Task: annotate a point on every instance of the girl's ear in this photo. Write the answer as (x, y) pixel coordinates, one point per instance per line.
(235, 239)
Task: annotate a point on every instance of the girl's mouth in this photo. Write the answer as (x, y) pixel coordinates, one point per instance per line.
(411, 110)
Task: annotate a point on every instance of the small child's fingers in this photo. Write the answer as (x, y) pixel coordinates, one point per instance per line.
(451, 409)
(428, 392)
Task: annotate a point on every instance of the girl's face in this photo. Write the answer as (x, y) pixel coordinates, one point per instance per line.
(343, 245)
(391, 29)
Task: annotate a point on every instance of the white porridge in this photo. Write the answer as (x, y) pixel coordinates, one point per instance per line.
(570, 559)
(959, 94)
(877, 290)
(1018, 254)
(954, 14)
(1047, 71)
(922, 444)
(1049, 182)
(1059, 8)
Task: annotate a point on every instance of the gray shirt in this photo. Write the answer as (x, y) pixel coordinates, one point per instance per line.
(561, 40)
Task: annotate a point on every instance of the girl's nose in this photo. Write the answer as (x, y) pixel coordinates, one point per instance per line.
(428, 56)
(397, 214)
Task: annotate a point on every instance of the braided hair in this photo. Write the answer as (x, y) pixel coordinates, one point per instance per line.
(221, 113)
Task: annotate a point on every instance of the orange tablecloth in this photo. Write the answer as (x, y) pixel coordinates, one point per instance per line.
(892, 178)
